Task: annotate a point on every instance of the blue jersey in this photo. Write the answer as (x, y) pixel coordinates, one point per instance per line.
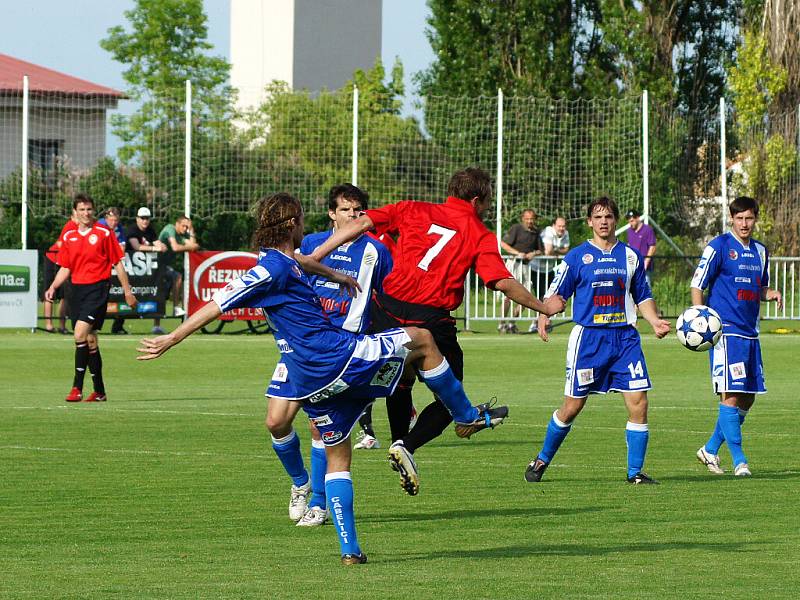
(314, 353)
(734, 275)
(365, 260)
(607, 284)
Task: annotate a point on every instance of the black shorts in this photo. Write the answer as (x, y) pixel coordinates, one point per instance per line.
(50, 271)
(88, 302)
(388, 312)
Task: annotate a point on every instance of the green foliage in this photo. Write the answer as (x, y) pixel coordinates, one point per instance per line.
(755, 81)
(781, 161)
(166, 45)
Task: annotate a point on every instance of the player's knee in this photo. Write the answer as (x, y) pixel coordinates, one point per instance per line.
(279, 425)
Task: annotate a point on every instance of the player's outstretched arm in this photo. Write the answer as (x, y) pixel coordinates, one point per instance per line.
(650, 314)
(151, 348)
(770, 295)
(516, 292)
(342, 235)
(346, 283)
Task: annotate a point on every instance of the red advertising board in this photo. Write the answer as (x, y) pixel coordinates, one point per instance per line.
(210, 270)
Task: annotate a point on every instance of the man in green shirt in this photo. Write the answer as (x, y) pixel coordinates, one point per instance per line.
(177, 238)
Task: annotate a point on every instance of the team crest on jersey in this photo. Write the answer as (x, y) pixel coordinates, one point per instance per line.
(93, 239)
(733, 254)
(588, 259)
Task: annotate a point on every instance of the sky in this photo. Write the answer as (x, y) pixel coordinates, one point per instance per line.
(65, 36)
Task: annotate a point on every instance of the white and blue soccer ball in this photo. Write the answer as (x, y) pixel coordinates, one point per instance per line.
(698, 328)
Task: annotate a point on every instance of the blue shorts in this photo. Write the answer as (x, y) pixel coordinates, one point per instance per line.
(736, 365)
(605, 359)
(373, 372)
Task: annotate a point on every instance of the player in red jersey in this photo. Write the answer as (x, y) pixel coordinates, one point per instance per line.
(87, 254)
(436, 247)
(50, 269)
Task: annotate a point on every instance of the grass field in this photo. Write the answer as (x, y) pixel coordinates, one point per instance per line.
(172, 490)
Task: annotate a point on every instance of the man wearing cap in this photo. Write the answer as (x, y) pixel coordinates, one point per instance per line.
(522, 242)
(141, 236)
(642, 238)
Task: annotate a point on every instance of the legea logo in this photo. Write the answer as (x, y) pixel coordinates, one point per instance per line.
(15, 278)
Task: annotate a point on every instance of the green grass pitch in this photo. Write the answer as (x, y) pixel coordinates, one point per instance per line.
(171, 489)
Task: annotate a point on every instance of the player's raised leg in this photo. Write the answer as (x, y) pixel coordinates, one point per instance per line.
(435, 372)
(286, 443)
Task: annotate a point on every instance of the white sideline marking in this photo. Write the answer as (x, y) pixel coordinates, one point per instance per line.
(143, 410)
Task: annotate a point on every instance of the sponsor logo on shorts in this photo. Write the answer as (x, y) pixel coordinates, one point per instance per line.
(386, 373)
(336, 387)
(587, 259)
(737, 370)
(610, 318)
(638, 384)
(281, 373)
(323, 420)
(585, 376)
(733, 254)
(331, 436)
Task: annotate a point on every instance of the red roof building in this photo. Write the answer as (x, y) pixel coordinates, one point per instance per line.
(66, 120)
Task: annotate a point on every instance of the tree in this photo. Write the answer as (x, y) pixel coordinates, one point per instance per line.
(166, 45)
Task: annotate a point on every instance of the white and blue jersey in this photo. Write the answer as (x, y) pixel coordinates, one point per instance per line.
(336, 372)
(365, 260)
(607, 284)
(604, 352)
(734, 275)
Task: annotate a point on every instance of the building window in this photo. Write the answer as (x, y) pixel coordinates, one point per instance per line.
(43, 154)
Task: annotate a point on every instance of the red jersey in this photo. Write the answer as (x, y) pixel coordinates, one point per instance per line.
(386, 240)
(52, 251)
(89, 255)
(438, 244)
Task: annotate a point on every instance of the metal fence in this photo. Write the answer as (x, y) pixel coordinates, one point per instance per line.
(670, 285)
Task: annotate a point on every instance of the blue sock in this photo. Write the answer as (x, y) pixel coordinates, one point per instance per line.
(288, 451)
(556, 432)
(732, 430)
(319, 464)
(339, 489)
(716, 440)
(636, 436)
(444, 384)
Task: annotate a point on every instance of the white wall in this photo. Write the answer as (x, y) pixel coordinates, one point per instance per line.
(310, 44)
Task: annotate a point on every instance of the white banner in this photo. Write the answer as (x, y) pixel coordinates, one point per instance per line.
(19, 281)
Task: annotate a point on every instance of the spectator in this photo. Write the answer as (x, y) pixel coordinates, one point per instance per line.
(523, 242)
(142, 238)
(642, 238)
(176, 238)
(111, 220)
(555, 238)
(50, 269)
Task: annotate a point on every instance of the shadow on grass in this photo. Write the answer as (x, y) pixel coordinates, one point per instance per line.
(534, 549)
(465, 515)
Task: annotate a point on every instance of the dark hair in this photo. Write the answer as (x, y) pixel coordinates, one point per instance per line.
(349, 192)
(469, 183)
(112, 211)
(742, 204)
(274, 216)
(82, 199)
(604, 202)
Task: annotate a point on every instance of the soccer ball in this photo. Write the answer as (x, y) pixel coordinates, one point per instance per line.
(698, 328)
